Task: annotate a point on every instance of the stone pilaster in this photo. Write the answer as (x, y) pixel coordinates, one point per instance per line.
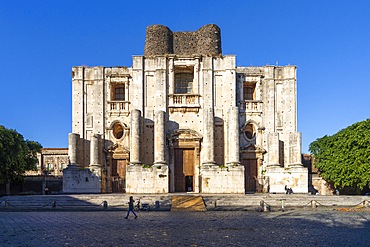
(135, 136)
(233, 125)
(160, 138)
(160, 83)
(208, 138)
(73, 139)
(273, 145)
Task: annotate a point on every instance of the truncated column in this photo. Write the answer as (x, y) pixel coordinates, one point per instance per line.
(135, 137)
(73, 148)
(233, 124)
(94, 149)
(295, 143)
(160, 138)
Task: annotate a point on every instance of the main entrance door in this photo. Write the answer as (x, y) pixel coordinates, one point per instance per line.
(184, 169)
(119, 175)
(250, 175)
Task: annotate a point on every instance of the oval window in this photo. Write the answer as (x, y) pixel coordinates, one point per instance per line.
(118, 131)
(250, 131)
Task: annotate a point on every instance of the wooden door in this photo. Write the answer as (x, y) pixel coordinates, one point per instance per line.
(119, 176)
(250, 175)
(184, 170)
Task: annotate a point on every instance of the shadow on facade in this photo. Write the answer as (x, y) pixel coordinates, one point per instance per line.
(84, 202)
(35, 185)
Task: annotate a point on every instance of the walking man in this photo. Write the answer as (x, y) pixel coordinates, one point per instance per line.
(131, 207)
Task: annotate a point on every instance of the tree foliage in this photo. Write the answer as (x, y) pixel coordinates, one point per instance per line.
(16, 155)
(343, 159)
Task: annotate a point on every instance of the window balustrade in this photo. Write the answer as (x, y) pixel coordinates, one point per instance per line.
(183, 100)
(119, 107)
(251, 106)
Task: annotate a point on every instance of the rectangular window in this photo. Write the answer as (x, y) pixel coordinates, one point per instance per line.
(249, 91)
(184, 77)
(119, 92)
(184, 83)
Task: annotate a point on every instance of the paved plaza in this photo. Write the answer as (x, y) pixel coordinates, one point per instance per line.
(212, 228)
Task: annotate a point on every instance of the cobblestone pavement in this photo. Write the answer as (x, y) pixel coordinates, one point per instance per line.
(212, 228)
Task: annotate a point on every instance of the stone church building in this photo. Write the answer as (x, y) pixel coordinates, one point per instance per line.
(184, 118)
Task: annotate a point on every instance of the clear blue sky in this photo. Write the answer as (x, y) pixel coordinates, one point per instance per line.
(40, 41)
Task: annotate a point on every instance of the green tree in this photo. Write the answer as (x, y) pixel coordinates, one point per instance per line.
(16, 156)
(343, 159)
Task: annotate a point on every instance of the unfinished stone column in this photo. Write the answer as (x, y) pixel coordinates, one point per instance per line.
(208, 138)
(295, 140)
(135, 137)
(95, 165)
(73, 148)
(160, 138)
(233, 136)
(94, 149)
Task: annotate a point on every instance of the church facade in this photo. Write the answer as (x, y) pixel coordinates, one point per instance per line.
(184, 118)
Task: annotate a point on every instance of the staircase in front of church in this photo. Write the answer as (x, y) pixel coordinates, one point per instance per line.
(187, 203)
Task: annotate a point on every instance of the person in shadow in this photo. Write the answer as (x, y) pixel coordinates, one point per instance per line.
(131, 207)
(288, 190)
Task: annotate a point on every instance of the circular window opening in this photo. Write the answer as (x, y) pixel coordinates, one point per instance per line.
(250, 131)
(118, 131)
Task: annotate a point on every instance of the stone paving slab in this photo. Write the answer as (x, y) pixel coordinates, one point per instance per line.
(216, 228)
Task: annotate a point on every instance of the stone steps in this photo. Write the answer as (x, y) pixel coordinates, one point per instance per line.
(118, 201)
(166, 201)
(187, 203)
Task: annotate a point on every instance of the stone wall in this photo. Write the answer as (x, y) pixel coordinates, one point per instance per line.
(295, 178)
(320, 186)
(216, 179)
(147, 180)
(77, 180)
(160, 40)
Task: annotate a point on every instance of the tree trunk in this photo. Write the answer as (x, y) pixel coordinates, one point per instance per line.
(7, 188)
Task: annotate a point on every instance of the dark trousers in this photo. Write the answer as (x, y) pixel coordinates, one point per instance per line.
(130, 210)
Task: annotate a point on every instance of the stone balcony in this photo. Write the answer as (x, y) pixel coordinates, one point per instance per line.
(184, 102)
(251, 107)
(119, 108)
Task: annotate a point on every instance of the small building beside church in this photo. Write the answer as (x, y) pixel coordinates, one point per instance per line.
(184, 118)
